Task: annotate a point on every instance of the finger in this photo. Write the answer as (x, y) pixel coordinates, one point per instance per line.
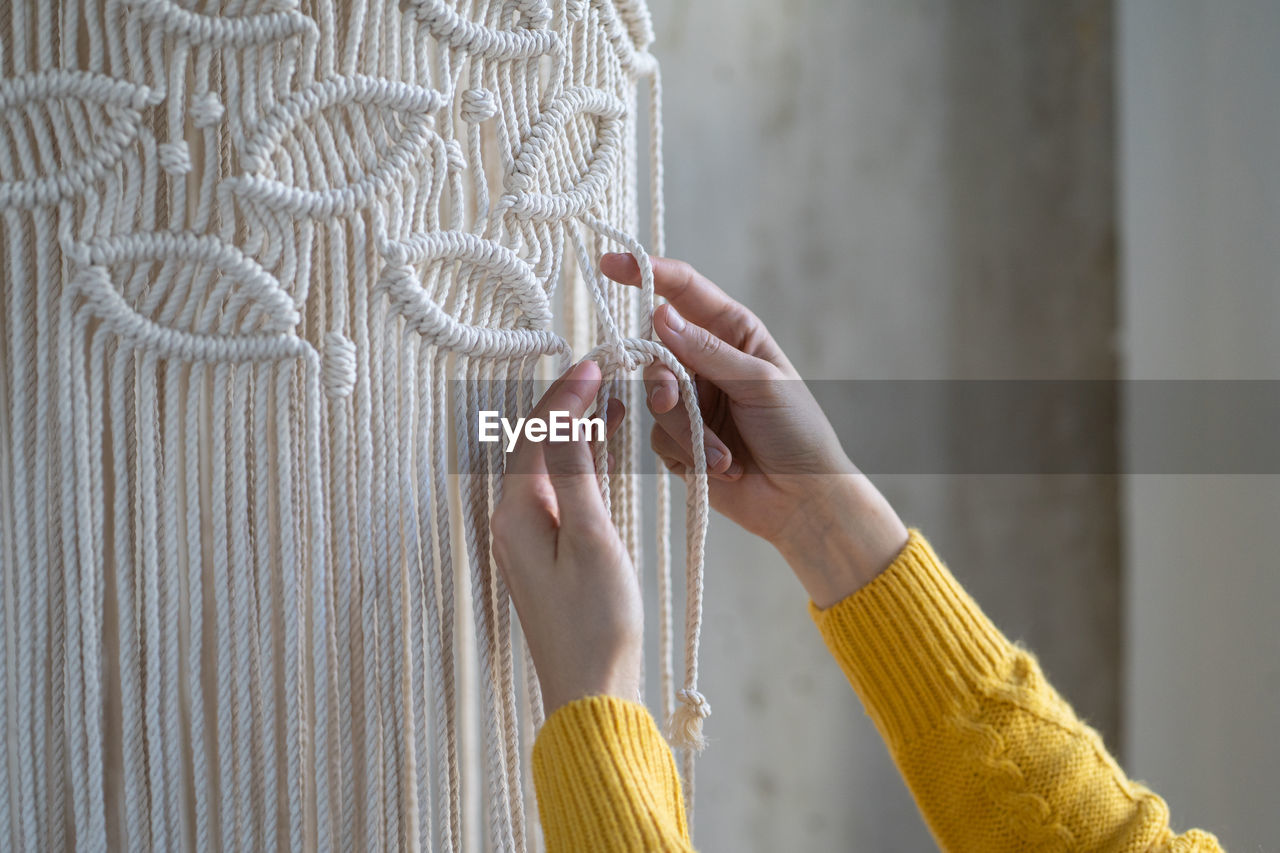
(667, 447)
(698, 299)
(614, 411)
(738, 374)
(662, 397)
(662, 391)
(677, 468)
(676, 445)
(573, 392)
(675, 421)
(573, 476)
(682, 285)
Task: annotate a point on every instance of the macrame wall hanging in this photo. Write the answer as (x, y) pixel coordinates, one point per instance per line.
(263, 262)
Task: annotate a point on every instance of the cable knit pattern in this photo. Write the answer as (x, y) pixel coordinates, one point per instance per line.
(995, 758)
(993, 755)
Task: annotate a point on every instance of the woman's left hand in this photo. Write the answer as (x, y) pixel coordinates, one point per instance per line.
(566, 568)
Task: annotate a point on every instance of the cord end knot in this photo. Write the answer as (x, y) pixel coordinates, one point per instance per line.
(685, 726)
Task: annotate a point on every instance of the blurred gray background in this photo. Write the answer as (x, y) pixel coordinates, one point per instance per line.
(920, 189)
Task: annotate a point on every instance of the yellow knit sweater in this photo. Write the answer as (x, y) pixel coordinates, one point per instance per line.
(994, 757)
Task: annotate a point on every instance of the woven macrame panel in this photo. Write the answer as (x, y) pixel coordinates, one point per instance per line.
(263, 263)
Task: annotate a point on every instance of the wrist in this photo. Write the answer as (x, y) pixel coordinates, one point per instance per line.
(841, 539)
(620, 678)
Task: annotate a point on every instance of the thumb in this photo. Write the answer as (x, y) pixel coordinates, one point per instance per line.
(735, 372)
(572, 472)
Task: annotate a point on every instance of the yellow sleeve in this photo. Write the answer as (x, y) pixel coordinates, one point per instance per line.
(606, 780)
(995, 759)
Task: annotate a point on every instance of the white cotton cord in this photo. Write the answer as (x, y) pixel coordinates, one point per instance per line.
(391, 592)
(443, 662)
(49, 678)
(482, 592)
(149, 592)
(416, 606)
(22, 310)
(657, 240)
(388, 666)
(222, 604)
(6, 651)
(663, 514)
(83, 690)
(169, 603)
(291, 605)
(341, 489)
(202, 783)
(321, 593)
(244, 606)
(267, 603)
(502, 608)
(685, 724)
(375, 783)
(136, 800)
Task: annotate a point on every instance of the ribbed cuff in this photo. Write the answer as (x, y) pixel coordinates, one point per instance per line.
(913, 644)
(606, 779)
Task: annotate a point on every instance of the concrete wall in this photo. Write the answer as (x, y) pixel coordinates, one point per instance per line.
(902, 190)
(1200, 155)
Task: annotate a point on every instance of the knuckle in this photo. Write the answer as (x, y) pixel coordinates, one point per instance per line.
(682, 273)
(566, 478)
(743, 319)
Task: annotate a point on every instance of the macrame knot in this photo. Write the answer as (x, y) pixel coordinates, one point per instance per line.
(339, 368)
(206, 110)
(576, 10)
(478, 105)
(617, 354)
(454, 156)
(397, 279)
(520, 181)
(685, 727)
(175, 157)
(536, 12)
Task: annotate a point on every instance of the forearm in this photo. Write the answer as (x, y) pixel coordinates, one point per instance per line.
(994, 757)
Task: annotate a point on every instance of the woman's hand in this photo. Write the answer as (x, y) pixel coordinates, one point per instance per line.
(568, 573)
(777, 465)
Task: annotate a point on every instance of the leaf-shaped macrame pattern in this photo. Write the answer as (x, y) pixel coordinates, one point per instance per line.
(62, 130)
(501, 278)
(536, 190)
(528, 40)
(233, 31)
(182, 293)
(374, 132)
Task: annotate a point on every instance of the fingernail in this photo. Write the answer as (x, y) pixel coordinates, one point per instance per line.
(655, 395)
(714, 458)
(674, 321)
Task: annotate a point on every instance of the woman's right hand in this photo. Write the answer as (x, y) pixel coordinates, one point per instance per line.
(777, 467)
